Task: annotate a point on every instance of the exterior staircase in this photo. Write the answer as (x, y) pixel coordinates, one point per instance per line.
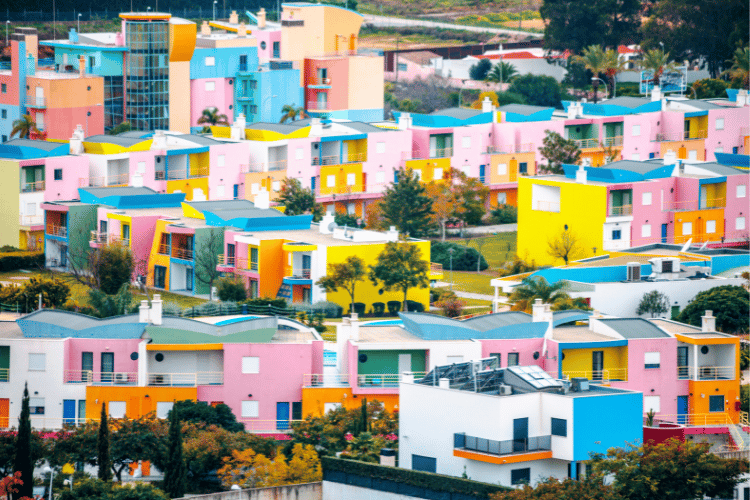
(285, 292)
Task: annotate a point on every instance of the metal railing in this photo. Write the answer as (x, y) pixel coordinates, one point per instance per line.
(185, 379)
(389, 380)
(712, 373)
(319, 81)
(184, 173)
(547, 206)
(31, 220)
(436, 268)
(97, 237)
(90, 377)
(106, 180)
(225, 261)
(317, 106)
(33, 101)
(680, 136)
(340, 160)
(32, 187)
(238, 263)
(587, 143)
(182, 253)
(298, 273)
(265, 425)
(511, 148)
(694, 419)
(119, 240)
(614, 141)
(743, 418)
(60, 231)
(621, 210)
(617, 374)
(4, 374)
(441, 153)
(164, 249)
(490, 446)
(276, 165)
(325, 380)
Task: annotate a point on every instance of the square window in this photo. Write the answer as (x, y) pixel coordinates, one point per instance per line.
(5, 113)
(502, 169)
(710, 226)
(559, 427)
(117, 409)
(520, 476)
(523, 167)
(616, 234)
(163, 408)
(380, 177)
(299, 154)
(141, 167)
(250, 364)
(636, 130)
(466, 142)
(739, 223)
(36, 406)
(221, 160)
(250, 409)
(255, 188)
(741, 190)
(635, 157)
(652, 403)
(720, 124)
(466, 169)
(330, 180)
(58, 174)
(687, 228)
(716, 403)
(37, 362)
(646, 231)
(31, 209)
(210, 86)
(351, 179)
(276, 186)
(380, 147)
(4, 88)
(437, 173)
(646, 199)
(210, 61)
(652, 359)
(220, 190)
(502, 198)
(330, 407)
(692, 154)
(512, 359)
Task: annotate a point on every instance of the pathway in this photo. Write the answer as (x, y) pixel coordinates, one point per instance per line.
(397, 21)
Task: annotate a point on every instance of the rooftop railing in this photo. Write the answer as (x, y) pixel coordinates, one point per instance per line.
(490, 446)
(694, 419)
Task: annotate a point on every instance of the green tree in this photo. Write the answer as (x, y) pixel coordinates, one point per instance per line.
(657, 62)
(594, 59)
(54, 291)
(740, 66)
(501, 72)
(471, 195)
(653, 303)
(533, 288)
(613, 65)
(102, 445)
(590, 487)
(405, 205)
(197, 412)
(479, 70)
(558, 151)
(298, 200)
(212, 117)
(23, 127)
(710, 88)
(206, 258)
(121, 128)
(729, 303)
(137, 491)
(106, 306)
(504, 214)
(23, 463)
(344, 275)
(231, 289)
(115, 267)
(175, 471)
(292, 113)
(87, 489)
(537, 90)
(400, 266)
(131, 440)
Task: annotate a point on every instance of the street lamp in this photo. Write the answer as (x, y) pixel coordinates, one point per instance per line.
(593, 79)
(215, 2)
(450, 252)
(79, 23)
(51, 475)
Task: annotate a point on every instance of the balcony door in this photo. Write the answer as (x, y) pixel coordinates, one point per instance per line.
(597, 365)
(87, 365)
(520, 433)
(682, 362)
(107, 366)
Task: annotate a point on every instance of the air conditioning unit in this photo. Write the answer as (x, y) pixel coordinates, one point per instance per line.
(121, 377)
(157, 379)
(634, 271)
(505, 390)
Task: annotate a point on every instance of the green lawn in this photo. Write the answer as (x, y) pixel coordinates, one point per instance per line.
(496, 248)
(471, 282)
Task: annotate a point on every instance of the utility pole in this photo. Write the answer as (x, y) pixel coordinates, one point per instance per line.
(395, 58)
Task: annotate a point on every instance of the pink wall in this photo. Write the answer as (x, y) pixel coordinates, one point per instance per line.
(736, 206)
(221, 97)
(651, 214)
(729, 137)
(642, 144)
(301, 169)
(122, 348)
(142, 231)
(413, 71)
(524, 133)
(58, 121)
(338, 72)
(149, 157)
(397, 144)
(524, 347)
(236, 155)
(74, 169)
(269, 37)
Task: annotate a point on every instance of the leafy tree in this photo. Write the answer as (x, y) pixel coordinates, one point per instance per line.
(478, 103)
(132, 440)
(472, 197)
(504, 214)
(88, 489)
(102, 445)
(9, 485)
(54, 293)
(121, 128)
(613, 64)
(116, 267)
(24, 127)
(653, 303)
(533, 288)
(23, 463)
(346, 219)
(501, 72)
(537, 90)
(558, 151)
(565, 245)
(137, 491)
(745, 396)
(299, 200)
(669, 471)
(231, 289)
(400, 266)
(504, 98)
(212, 117)
(594, 59)
(106, 306)
(344, 275)
(479, 70)
(78, 445)
(464, 257)
(249, 469)
(710, 88)
(658, 63)
(290, 112)
(740, 66)
(590, 487)
(197, 412)
(406, 205)
(729, 303)
(175, 471)
(207, 258)
(445, 201)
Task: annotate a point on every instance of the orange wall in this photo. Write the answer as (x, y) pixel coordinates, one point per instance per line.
(682, 149)
(512, 161)
(698, 219)
(314, 399)
(511, 197)
(139, 400)
(265, 179)
(271, 265)
(701, 390)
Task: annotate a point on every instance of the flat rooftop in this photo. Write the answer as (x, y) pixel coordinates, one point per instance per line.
(387, 334)
(674, 327)
(578, 334)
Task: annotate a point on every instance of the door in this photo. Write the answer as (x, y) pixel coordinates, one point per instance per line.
(404, 363)
(282, 416)
(87, 366)
(81, 411)
(481, 173)
(322, 100)
(40, 96)
(236, 191)
(520, 434)
(230, 255)
(306, 264)
(69, 411)
(682, 409)
(663, 233)
(107, 366)
(4, 413)
(188, 278)
(597, 365)
(513, 170)
(682, 362)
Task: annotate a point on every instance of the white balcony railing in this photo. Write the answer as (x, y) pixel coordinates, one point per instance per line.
(680, 136)
(31, 220)
(185, 379)
(621, 210)
(441, 153)
(511, 148)
(264, 425)
(325, 380)
(317, 106)
(90, 377)
(33, 187)
(712, 373)
(33, 101)
(100, 238)
(387, 380)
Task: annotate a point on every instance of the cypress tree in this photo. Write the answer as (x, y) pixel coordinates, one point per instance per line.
(175, 472)
(102, 443)
(23, 462)
(365, 420)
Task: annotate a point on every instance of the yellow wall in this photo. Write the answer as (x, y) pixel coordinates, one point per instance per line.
(266, 180)
(314, 399)
(698, 125)
(187, 185)
(135, 398)
(698, 219)
(341, 172)
(583, 208)
(682, 148)
(701, 390)
(199, 164)
(512, 161)
(156, 259)
(428, 166)
(9, 190)
(31, 239)
(716, 195)
(581, 359)
(597, 155)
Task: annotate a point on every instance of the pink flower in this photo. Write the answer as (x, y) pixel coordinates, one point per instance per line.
(348, 436)
(392, 437)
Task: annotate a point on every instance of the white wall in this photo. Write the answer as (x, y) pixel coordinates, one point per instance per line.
(613, 224)
(186, 361)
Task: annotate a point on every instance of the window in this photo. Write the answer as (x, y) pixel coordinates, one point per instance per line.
(351, 208)
(221, 160)
(687, 228)
(250, 409)
(502, 198)
(417, 174)
(255, 188)
(512, 359)
(635, 157)
(117, 409)
(692, 154)
(646, 231)
(646, 199)
(31, 209)
(163, 408)
(652, 359)
(739, 224)
(276, 49)
(297, 410)
(559, 427)
(523, 168)
(4, 87)
(351, 179)
(652, 403)
(741, 190)
(220, 190)
(380, 147)
(710, 226)
(636, 130)
(330, 407)
(545, 198)
(210, 86)
(276, 186)
(210, 61)
(160, 276)
(263, 45)
(437, 173)
(720, 124)
(5, 113)
(454, 359)
(380, 177)
(466, 169)
(243, 62)
(719, 149)
(466, 142)
(716, 403)
(37, 362)
(330, 180)
(502, 169)
(424, 464)
(250, 364)
(58, 174)
(402, 67)
(36, 406)
(616, 234)
(520, 476)
(92, 61)
(141, 167)
(299, 154)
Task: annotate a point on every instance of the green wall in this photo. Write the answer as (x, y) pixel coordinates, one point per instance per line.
(386, 362)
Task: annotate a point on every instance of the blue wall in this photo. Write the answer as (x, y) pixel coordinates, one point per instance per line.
(722, 263)
(612, 420)
(282, 83)
(226, 62)
(106, 62)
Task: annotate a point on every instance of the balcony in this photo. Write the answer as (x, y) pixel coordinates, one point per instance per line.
(680, 136)
(99, 238)
(108, 180)
(603, 376)
(4, 374)
(491, 447)
(317, 106)
(325, 380)
(386, 380)
(160, 175)
(182, 253)
(319, 83)
(340, 160)
(164, 249)
(690, 205)
(59, 231)
(185, 379)
(32, 187)
(33, 101)
(620, 211)
(225, 261)
(31, 220)
(298, 273)
(249, 98)
(89, 377)
(238, 263)
(276, 165)
(119, 240)
(182, 173)
(511, 149)
(711, 372)
(441, 153)
(612, 142)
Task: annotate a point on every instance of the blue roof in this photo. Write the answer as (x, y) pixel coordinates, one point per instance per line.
(445, 121)
(733, 160)
(243, 214)
(492, 326)
(129, 197)
(618, 106)
(27, 149)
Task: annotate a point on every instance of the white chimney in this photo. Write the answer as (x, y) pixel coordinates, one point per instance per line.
(242, 30)
(354, 326)
(238, 128)
(392, 234)
(143, 312)
(198, 194)
(742, 98)
(136, 181)
(575, 110)
(316, 128)
(326, 222)
(537, 311)
(486, 105)
(76, 142)
(205, 29)
(404, 121)
(708, 322)
(670, 157)
(156, 309)
(234, 18)
(444, 383)
(495, 113)
(581, 175)
(159, 141)
(656, 94)
(261, 15)
(263, 199)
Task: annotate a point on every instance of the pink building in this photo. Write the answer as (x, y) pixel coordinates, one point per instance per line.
(412, 65)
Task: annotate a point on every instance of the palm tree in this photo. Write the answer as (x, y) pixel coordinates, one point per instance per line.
(593, 59)
(613, 64)
(290, 112)
(24, 127)
(533, 288)
(501, 72)
(740, 62)
(211, 116)
(657, 62)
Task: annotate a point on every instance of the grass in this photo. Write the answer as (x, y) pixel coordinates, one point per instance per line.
(496, 249)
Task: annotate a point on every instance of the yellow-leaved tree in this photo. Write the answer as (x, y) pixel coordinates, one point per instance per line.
(248, 469)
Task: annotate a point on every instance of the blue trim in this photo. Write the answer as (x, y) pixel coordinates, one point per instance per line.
(187, 151)
(714, 180)
(68, 45)
(11, 151)
(182, 262)
(696, 113)
(438, 121)
(334, 138)
(291, 280)
(590, 345)
(134, 201)
(733, 160)
(570, 318)
(605, 109)
(55, 237)
(539, 116)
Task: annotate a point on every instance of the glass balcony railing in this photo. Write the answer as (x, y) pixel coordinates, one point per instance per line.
(471, 443)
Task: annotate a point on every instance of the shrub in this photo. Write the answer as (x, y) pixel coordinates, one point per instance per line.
(11, 261)
(441, 294)
(464, 258)
(267, 301)
(394, 306)
(378, 309)
(516, 266)
(327, 309)
(231, 289)
(710, 88)
(414, 306)
(452, 307)
(359, 308)
(504, 214)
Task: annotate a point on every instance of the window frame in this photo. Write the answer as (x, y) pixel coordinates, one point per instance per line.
(520, 477)
(555, 424)
(250, 365)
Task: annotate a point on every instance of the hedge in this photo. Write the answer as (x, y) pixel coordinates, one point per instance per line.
(464, 258)
(418, 479)
(21, 260)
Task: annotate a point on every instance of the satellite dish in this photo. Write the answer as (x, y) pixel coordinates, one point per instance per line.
(703, 246)
(331, 226)
(686, 246)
